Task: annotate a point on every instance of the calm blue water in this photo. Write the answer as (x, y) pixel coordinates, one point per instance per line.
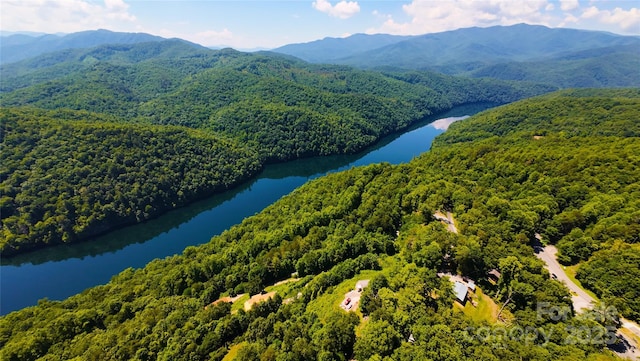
(59, 272)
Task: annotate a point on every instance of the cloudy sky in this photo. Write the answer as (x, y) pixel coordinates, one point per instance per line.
(264, 23)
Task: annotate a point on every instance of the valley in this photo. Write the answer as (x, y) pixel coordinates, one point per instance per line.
(353, 228)
(62, 271)
(161, 200)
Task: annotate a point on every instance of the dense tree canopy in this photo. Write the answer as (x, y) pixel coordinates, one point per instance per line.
(284, 106)
(375, 222)
(66, 180)
(256, 108)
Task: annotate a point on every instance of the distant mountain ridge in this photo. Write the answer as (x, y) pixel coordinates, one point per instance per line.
(55, 64)
(332, 49)
(19, 46)
(466, 50)
(559, 57)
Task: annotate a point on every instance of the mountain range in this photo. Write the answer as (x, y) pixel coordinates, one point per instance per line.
(472, 47)
(559, 57)
(21, 46)
(563, 57)
(279, 107)
(112, 129)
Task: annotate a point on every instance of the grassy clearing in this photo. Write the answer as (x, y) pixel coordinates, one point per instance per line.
(233, 352)
(571, 273)
(290, 288)
(239, 304)
(330, 301)
(485, 311)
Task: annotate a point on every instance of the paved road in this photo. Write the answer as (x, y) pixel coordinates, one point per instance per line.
(583, 301)
(448, 220)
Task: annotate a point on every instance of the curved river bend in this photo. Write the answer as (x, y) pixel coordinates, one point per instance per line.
(61, 271)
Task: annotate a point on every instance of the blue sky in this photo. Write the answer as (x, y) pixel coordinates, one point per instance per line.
(268, 24)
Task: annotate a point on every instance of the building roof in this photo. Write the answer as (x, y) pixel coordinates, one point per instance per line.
(460, 291)
(494, 272)
(471, 285)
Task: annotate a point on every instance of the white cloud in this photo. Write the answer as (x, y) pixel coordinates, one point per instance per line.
(568, 5)
(223, 37)
(435, 16)
(591, 12)
(569, 21)
(627, 20)
(212, 37)
(64, 15)
(429, 16)
(343, 10)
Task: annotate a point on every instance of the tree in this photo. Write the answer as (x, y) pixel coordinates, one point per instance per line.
(377, 338)
(338, 335)
(510, 267)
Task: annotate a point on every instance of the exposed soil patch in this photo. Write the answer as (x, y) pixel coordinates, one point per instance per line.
(257, 299)
(227, 299)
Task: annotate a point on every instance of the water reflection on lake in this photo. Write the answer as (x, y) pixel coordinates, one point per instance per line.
(61, 271)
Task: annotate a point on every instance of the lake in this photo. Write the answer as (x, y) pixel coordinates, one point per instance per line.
(59, 272)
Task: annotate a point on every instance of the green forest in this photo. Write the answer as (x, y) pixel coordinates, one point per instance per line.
(64, 180)
(564, 166)
(68, 174)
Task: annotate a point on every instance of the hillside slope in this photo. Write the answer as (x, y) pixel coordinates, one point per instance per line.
(66, 180)
(274, 107)
(604, 67)
(18, 47)
(242, 95)
(527, 169)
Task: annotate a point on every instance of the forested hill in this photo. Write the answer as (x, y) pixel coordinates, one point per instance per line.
(267, 106)
(283, 106)
(556, 165)
(612, 66)
(69, 175)
(572, 113)
(18, 47)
